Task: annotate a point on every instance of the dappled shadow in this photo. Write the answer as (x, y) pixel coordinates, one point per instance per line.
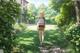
(56, 38)
(29, 42)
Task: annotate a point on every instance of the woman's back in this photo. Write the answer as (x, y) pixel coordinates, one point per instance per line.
(41, 21)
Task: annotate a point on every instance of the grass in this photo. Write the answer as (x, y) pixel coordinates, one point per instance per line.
(28, 40)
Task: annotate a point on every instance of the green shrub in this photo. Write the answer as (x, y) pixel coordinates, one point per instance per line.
(73, 35)
(20, 27)
(9, 11)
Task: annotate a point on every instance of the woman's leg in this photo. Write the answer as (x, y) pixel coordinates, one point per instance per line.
(42, 36)
(39, 35)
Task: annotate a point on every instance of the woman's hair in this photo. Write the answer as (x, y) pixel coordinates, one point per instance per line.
(42, 13)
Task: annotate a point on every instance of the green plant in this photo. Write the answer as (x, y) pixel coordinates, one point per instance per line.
(73, 36)
(9, 11)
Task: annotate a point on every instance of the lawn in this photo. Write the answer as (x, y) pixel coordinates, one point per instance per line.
(28, 40)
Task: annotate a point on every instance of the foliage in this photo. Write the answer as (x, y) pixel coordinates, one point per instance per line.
(50, 15)
(66, 11)
(66, 19)
(67, 14)
(20, 27)
(29, 41)
(73, 35)
(32, 13)
(56, 4)
(9, 11)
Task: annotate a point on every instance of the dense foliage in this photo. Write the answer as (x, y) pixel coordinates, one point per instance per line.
(67, 14)
(73, 35)
(66, 20)
(9, 11)
(33, 13)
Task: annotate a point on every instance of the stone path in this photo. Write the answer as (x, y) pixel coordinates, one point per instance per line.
(51, 50)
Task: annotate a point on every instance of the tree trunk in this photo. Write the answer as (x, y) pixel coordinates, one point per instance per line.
(77, 8)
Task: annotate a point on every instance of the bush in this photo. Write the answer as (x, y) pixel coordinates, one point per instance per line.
(9, 11)
(73, 35)
(20, 27)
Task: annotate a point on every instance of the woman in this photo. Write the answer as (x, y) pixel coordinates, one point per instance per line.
(41, 27)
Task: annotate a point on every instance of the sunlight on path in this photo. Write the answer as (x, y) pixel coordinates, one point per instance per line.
(48, 27)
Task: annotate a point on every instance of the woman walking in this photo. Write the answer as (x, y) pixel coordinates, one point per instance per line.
(41, 27)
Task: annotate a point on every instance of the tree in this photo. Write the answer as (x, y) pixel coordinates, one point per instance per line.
(9, 11)
(56, 4)
(32, 13)
(77, 8)
(66, 20)
(66, 13)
